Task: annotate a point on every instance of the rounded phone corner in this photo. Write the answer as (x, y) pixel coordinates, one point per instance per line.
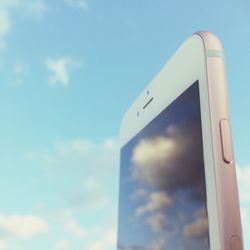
(210, 40)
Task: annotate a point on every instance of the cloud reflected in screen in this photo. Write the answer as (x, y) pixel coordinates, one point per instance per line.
(162, 182)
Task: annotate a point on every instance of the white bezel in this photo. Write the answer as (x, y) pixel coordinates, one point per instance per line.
(185, 67)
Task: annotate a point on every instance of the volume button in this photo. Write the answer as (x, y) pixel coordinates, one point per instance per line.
(226, 141)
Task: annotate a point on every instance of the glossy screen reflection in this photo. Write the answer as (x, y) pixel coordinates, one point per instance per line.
(162, 202)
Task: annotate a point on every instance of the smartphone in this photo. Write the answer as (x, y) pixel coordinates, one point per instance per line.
(178, 187)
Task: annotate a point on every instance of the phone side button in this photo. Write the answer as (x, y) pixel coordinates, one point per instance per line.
(235, 243)
(226, 141)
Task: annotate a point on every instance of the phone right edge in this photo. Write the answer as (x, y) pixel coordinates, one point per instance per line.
(224, 162)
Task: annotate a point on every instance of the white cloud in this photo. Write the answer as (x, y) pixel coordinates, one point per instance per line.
(110, 143)
(62, 244)
(73, 228)
(64, 216)
(154, 160)
(94, 236)
(22, 226)
(153, 151)
(201, 213)
(245, 220)
(139, 194)
(158, 244)
(158, 222)
(82, 4)
(243, 177)
(60, 69)
(156, 201)
(106, 239)
(2, 243)
(197, 229)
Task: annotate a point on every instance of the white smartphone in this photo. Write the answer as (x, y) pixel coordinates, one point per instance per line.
(178, 188)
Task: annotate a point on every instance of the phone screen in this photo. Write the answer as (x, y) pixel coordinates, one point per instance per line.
(163, 203)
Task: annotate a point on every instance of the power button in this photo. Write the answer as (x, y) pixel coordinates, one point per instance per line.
(226, 141)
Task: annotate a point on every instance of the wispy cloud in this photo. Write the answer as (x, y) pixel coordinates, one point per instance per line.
(158, 222)
(96, 237)
(9, 3)
(106, 239)
(72, 157)
(77, 162)
(156, 244)
(5, 27)
(32, 9)
(82, 198)
(18, 73)
(82, 4)
(60, 69)
(62, 244)
(61, 153)
(156, 201)
(35, 9)
(197, 229)
(73, 228)
(2, 243)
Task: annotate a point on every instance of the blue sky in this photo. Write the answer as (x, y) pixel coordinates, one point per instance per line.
(68, 71)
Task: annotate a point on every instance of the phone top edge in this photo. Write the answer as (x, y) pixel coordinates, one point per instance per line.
(212, 44)
(191, 39)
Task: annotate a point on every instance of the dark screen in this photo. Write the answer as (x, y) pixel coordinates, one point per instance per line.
(162, 204)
